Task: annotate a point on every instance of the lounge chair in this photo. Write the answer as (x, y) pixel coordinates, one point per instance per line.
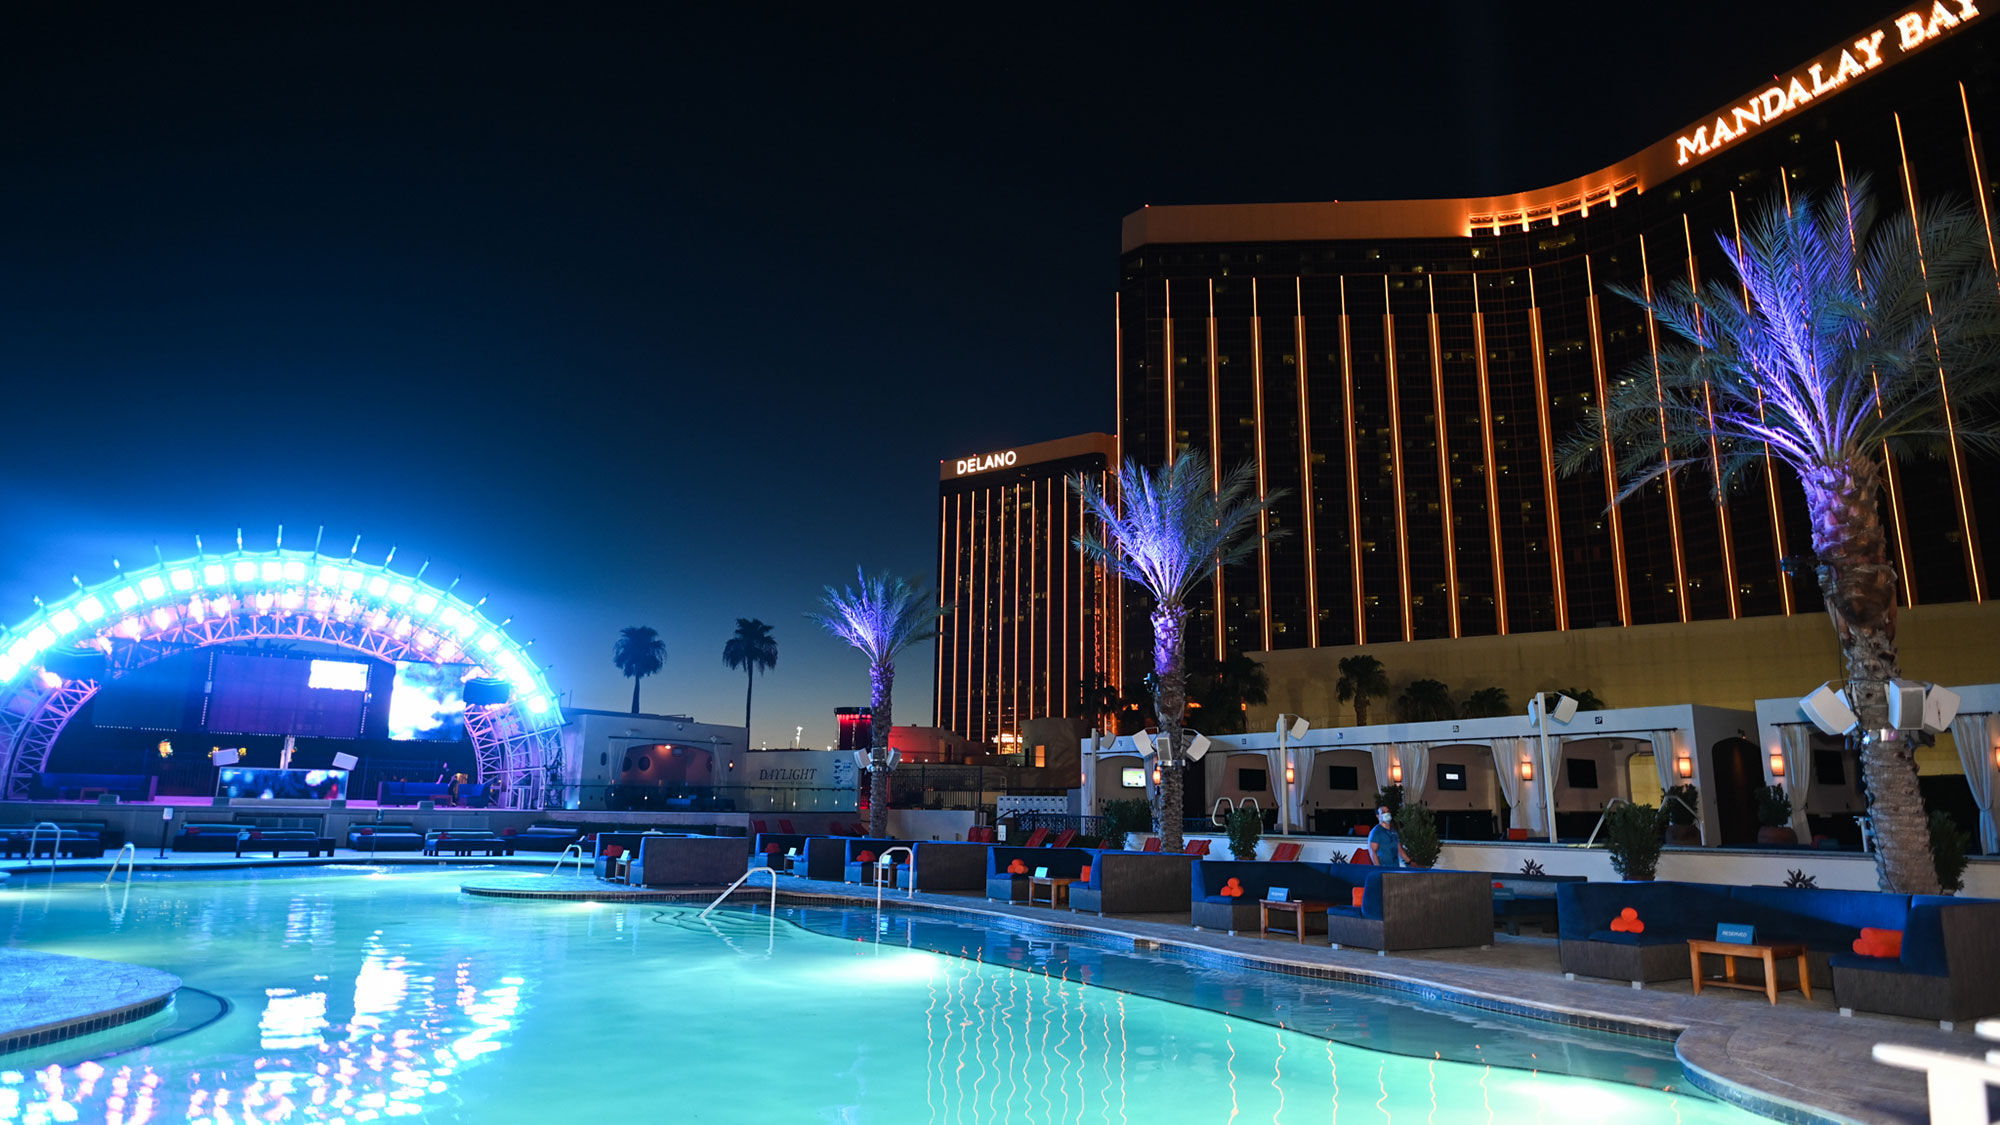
(785, 826)
(1286, 852)
(757, 828)
(1362, 856)
(1036, 838)
(1196, 847)
(1152, 844)
(1065, 838)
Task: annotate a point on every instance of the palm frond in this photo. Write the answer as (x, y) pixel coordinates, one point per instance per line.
(1171, 529)
(881, 615)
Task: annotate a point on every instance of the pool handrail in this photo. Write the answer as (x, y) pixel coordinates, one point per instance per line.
(740, 879)
(35, 838)
(883, 860)
(129, 854)
(576, 848)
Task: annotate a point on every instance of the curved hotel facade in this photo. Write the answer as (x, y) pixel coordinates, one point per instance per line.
(1405, 370)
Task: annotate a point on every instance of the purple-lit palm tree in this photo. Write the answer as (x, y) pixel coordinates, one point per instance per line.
(1839, 339)
(1168, 532)
(881, 616)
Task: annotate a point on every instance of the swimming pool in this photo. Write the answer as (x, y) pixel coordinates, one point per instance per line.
(356, 994)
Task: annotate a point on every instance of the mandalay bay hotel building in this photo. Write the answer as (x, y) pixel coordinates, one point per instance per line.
(1404, 371)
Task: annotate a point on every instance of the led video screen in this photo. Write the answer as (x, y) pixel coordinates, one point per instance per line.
(428, 702)
(297, 785)
(257, 693)
(153, 697)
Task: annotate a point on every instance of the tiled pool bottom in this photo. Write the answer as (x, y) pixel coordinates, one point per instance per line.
(364, 995)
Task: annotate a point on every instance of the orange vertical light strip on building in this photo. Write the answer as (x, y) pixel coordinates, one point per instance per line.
(1978, 178)
(987, 705)
(1611, 508)
(944, 622)
(1263, 473)
(957, 620)
(1215, 459)
(1306, 463)
(1353, 469)
(1890, 475)
(1973, 563)
(1396, 465)
(1714, 450)
(1444, 463)
(1785, 593)
(1058, 555)
(1173, 439)
(1014, 665)
(1666, 456)
(1492, 463)
(1548, 454)
(1051, 608)
(1035, 615)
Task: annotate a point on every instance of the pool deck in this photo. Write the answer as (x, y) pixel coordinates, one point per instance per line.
(1799, 1060)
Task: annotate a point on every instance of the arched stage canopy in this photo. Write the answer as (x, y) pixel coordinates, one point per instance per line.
(143, 616)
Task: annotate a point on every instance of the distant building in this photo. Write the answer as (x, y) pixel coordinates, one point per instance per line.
(1033, 621)
(855, 727)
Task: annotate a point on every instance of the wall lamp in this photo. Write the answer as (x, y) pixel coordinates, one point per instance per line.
(1396, 772)
(1684, 767)
(1777, 765)
(1527, 770)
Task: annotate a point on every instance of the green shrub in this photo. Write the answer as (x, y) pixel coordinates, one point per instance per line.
(1123, 816)
(1390, 797)
(1246, 827)
(1419, 831)
(1949, 846)
(1774, 807)
(1688, 795)
(1632, 834)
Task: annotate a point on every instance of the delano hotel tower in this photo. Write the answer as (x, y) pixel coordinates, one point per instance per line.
(1404, 371)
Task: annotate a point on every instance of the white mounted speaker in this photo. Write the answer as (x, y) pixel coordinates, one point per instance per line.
(1198, 747)
(1143, 743)
(1940, 708)
(227, 757)
(345, 761)
(1565, 709)
(1906, 704)
(1298, 728)
(1828, 710)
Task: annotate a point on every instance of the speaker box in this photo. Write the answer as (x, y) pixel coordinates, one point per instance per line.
(75, 664)
(1940, 708)
(1828, 710)
(227, 757)
(485, 693)
(345, 761)
(1906, 704)
(1565, 709)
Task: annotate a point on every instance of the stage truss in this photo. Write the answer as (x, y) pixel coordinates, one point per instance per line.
(142, 617)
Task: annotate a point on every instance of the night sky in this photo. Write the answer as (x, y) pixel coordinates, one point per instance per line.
(665, 315)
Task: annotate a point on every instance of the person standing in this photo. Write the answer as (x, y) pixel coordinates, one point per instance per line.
(1385, 844)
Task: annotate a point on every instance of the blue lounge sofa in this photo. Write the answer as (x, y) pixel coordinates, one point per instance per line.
(855, 870)
(827, 856)
(762, 855)
(1402, 908)
(90, 786)
(1001, 886)
(946, 865)
(1946, 971)
(1124, 882)
(1527, 898)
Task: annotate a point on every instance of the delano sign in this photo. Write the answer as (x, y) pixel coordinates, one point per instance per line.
(1880, 47)
(989, 461)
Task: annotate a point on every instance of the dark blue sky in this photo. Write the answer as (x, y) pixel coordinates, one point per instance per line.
(660, 315)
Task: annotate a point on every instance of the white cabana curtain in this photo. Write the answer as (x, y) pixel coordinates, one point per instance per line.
(1507, 770)
(1381, 755)
(1295, 794)
(1664, 753)
(1274, 758)
(1974, 735)
(1416, 757)
(1795, 744)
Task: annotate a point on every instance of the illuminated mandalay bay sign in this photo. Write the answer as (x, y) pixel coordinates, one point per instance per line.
(1880, 47)
(983, 463)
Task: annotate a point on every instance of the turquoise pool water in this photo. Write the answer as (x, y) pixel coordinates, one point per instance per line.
(362, 995)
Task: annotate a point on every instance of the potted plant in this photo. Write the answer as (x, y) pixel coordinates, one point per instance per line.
(1774, 815)
(1682, 808)
(1390, 797)
(1632, 835)
(1124, 816)
(1418, 829)
(1949, 845)
(1245, 827)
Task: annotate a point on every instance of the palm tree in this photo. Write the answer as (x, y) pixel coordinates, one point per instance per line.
(754, 650)
(1586, 699)
(1838, 341)
(1225, 689)
(881, 616)
(1168, 532)
(1361, 677)
(1426, 701)
(639, 653)
(1487, 703)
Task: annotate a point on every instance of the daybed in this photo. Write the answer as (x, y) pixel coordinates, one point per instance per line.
(90, 786)
(666, 860)
(946, 865)
(1400, 908)
(79, 840)
(372, 838)
(1005, 886)
(466, 841)
(543, 837)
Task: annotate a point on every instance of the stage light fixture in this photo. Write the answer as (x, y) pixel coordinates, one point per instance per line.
(350, 580)
(125, 598)
(152, 587)
(378, 586)
(8, 668)
(427, 604)
(294, 570)
(162, 617)
(90, 609)
(182, 579)
(214, 574)
(271, 571)
(50, 681)
(401, 594)
(538, 704)
(243, 571)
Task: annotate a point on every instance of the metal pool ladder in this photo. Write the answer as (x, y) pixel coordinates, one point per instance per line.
(740, 880)
(573, 849)
(882, 865)
(127, 853)
(1215, 814)
(35, 838)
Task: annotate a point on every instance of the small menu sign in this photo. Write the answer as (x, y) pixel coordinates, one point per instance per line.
(1281, 894)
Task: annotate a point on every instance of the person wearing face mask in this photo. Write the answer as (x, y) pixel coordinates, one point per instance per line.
(1385, 844)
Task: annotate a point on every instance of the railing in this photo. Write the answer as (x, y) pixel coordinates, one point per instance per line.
(1957, 1083)
(1216, 817)
(35, 839)
(740, 880)
(573, 849)
(883, 868)
(1616, 801)
(128, 853)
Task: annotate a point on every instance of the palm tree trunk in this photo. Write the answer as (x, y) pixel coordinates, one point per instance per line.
(882, 679)
(1360, 709)
(1860, 589)
(749, 673)
(635, 695)
(1169, 706)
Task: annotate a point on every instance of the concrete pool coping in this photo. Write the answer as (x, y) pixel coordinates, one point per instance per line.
(47, 998)
(1799, 1061)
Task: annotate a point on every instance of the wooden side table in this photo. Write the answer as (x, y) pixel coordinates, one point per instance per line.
(1058, 886)
(1299, 909)
(1729, 951)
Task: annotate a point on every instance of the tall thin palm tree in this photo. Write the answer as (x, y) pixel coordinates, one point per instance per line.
(639, 653)
(1838, 340)
(1361, 678)
(881, 616)
(1168, 532)
(754, 650)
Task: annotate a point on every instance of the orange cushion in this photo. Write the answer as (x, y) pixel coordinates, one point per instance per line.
(1017, 868)
(1879, 943)
(1357, 896)
(1628, 922)
(1084, 874)
(613, 851)
(865, 857)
